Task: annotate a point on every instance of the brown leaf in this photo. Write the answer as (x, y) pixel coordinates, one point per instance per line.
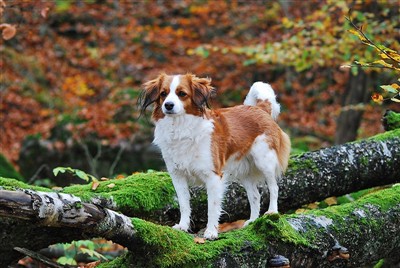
(111, 185)
(8, 31)
(95, 184)
(44, 12)
(331, 201)
(199, 240)
(228, 226)
(92, 264)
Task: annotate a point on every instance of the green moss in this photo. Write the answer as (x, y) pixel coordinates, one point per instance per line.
(141, 192)
(276, 227)
(383, 200)
(12, 184)
(386, 135)
(296, 163)
(124, 261)
(173, 248)
(7, 170)
(379, 264)
(392, 120)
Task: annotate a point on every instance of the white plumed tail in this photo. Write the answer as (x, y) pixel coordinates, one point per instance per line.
(260, 91)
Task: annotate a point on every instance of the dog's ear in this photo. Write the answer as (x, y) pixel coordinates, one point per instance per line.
(150, 92)
(202, 90)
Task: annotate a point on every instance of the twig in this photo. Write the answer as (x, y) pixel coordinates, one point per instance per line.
(33, 178)
(40, 258)
(370, 42)
(116, 160)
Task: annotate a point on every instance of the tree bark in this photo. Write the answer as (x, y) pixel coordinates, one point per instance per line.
(37, 219)
(350, 235)
(349, 119)
(311, 177)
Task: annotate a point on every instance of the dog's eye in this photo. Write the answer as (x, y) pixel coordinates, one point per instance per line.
(163, 94)
(182, 94)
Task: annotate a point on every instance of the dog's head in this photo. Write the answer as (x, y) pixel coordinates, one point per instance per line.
(175, 95)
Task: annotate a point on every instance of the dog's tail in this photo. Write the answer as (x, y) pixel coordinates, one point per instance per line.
(283, 152)
(262, 95)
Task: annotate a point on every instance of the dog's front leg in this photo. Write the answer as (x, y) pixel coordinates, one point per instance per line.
(215, 191)
(182, 191)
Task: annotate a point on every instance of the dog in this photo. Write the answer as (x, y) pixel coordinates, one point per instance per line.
(214, 146)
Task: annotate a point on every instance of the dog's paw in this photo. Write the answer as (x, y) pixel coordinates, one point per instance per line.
(211, 233)
(180, 227)
(269, 212)
(248, 222)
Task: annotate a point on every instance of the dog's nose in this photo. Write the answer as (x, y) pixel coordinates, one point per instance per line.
(169, 106)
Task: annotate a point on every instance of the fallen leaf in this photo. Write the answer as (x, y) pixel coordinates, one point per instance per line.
(199, 240)
(95, 184)
(104, 179)
(313, 205)
(57, 188)
(8, 31)
(300, 210)
(44, 12)
(92, 264)
(228, 226)
(111, 185)
(331, 201)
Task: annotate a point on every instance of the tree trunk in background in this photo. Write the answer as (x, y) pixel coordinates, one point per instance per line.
(350, 116)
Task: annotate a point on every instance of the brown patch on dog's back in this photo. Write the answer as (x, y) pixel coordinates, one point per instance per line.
(235, 130)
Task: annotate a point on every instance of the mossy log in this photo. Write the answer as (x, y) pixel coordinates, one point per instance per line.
(391, 120)
(310, 177)
(53, 217)
(352, 234)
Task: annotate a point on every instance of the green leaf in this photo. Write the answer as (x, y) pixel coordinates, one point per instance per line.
(389, 88)
(395, 100)
(82, 175)
(64, 260)
(93, 253)
(61, 170)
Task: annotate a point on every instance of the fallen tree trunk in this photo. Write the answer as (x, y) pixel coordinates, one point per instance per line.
(356, 234)
(350, 235)
(47, 218)
(311, 177)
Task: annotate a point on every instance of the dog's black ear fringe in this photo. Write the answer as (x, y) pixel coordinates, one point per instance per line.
(149, 93)
(145, 100)
(203, 91)
(203, 99)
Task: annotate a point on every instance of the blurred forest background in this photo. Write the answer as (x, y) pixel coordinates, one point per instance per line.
(71, 72)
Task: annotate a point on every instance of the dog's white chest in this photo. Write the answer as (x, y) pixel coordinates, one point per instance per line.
(185, 143)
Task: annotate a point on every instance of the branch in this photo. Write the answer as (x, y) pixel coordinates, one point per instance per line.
(351, 235)
(311, 177)
(369, 41)
(354, 234)
(61, 211)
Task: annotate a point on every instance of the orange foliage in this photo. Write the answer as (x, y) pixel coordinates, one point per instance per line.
(82, 63)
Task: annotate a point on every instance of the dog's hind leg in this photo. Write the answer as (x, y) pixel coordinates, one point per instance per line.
(182, 191)
(267, 162)
(215, 191)
(250, 185)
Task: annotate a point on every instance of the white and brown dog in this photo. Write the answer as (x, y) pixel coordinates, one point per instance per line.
(241, 143)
